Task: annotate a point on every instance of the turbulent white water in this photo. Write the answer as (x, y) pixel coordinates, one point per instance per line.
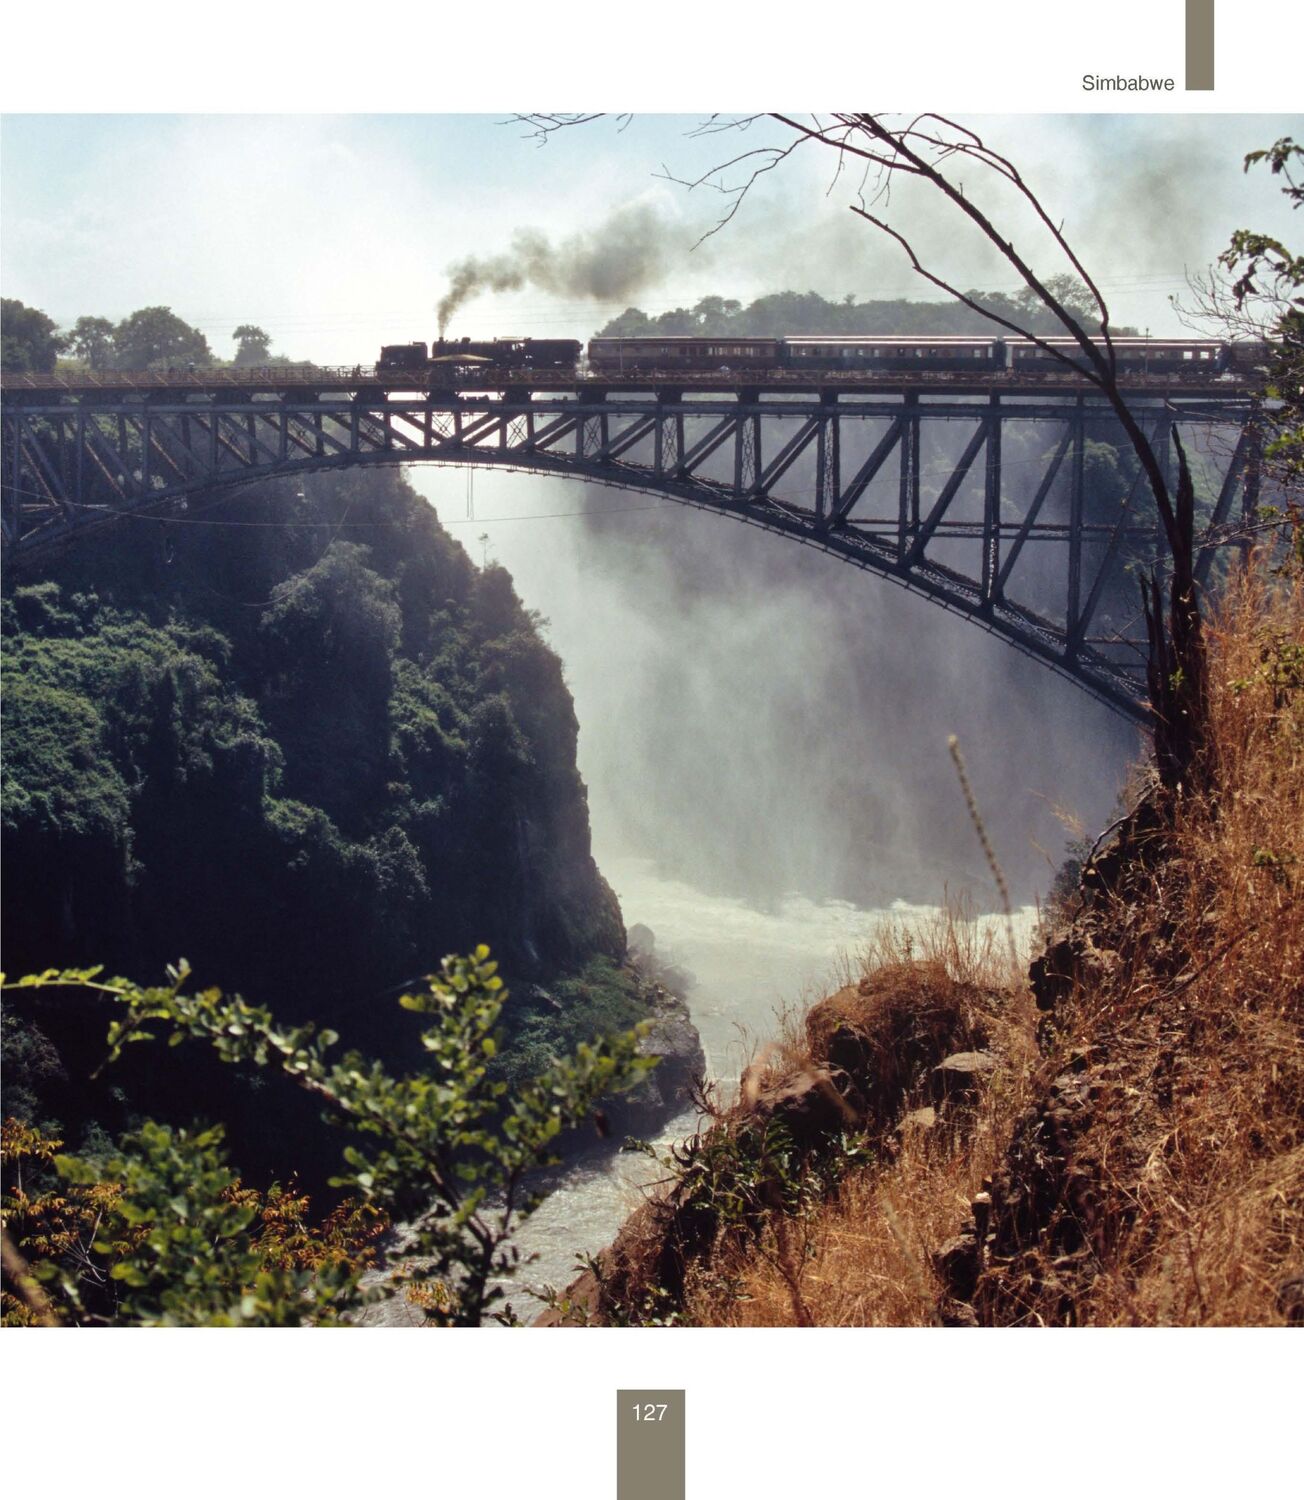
(748, 965)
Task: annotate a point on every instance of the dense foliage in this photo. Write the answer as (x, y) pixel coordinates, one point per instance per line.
(301, 734)
(150, 337)
(29, 339)
(160, 1230)
(1268, 294)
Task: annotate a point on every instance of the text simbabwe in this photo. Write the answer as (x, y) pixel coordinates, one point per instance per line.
(1093, 83)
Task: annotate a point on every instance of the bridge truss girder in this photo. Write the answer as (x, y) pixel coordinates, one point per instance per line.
(914, 487)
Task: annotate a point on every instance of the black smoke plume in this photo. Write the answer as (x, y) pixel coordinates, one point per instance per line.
(627, 253)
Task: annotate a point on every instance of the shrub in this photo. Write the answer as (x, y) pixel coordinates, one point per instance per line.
(450, 1147)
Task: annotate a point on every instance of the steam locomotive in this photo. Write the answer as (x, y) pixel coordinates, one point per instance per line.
(502, 354)
(870, 353)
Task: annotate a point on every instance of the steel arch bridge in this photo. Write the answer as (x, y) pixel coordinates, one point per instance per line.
(974, 493)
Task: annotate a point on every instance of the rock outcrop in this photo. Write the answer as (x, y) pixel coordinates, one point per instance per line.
(680, 1072)
(872, 1050)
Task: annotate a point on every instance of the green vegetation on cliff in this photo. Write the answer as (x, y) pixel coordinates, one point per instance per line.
(161, 1231)
(297, 734)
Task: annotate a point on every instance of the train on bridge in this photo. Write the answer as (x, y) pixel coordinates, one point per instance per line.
(867, 354)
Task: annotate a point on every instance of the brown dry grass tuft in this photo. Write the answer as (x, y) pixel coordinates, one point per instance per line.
(1181, 1186)
(1209, 1009)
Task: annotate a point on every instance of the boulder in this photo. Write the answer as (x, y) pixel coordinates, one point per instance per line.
(808, 1105)
(1071, 957)
(673, 1038)
(958, 1262)
(962, 1074)
(1290, 1299)
(641, 940)
(1052, 972)
(953, 1314)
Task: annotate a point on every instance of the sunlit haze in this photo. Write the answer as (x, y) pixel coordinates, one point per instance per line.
(335, 233)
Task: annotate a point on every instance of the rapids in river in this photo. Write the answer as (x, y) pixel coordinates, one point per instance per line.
(749, 965)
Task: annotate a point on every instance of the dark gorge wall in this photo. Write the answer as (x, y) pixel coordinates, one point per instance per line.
(296, 736)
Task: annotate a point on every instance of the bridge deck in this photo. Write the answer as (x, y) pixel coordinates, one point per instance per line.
(304, 380)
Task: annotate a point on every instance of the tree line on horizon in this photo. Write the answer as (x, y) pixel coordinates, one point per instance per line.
(785, 314)
(156, 336)
(151, 336)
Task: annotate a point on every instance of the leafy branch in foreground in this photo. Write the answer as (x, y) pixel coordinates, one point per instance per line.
(449, 1149)
(162, 1232)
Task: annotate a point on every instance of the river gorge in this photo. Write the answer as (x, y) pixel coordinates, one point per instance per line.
(748, 965)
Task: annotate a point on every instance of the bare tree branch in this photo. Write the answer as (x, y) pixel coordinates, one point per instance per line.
(919, 149)
(773, 157)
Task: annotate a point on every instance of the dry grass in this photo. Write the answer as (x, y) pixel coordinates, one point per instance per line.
(945, 980)
(1180, 1193)
(869, 1262)
(1209, 1010)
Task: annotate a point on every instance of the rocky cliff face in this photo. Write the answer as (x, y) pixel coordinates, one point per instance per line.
(298, 737)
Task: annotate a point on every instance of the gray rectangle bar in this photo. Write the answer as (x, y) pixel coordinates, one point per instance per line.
(649, 1445)
(1199, 44)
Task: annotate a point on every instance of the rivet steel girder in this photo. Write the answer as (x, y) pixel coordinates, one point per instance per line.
(889, 481)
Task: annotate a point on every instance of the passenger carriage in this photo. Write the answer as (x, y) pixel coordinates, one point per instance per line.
(1135, 356)
(893, 352)
(617, 356)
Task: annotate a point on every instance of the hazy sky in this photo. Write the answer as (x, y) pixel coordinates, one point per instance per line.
(336, 233)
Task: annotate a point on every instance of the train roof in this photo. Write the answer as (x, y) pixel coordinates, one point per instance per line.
(890, 338)
(681, 338)
(1126, 341)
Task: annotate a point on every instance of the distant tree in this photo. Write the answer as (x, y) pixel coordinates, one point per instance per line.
(1071, 292)
(783, 314)
(712, 309)
(31, 340)
(155, 335)
(253, 345)
(91, 340)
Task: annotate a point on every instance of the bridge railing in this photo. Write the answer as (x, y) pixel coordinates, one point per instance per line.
(310, 376)
(203, 377)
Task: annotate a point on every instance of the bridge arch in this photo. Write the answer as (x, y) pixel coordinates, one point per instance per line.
(913, 485)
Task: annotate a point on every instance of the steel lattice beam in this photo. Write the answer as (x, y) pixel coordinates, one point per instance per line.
(883, 480)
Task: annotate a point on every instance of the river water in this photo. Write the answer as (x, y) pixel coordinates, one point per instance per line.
(748, 965)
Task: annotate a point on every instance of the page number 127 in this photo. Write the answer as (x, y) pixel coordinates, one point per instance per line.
(649, 1411)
